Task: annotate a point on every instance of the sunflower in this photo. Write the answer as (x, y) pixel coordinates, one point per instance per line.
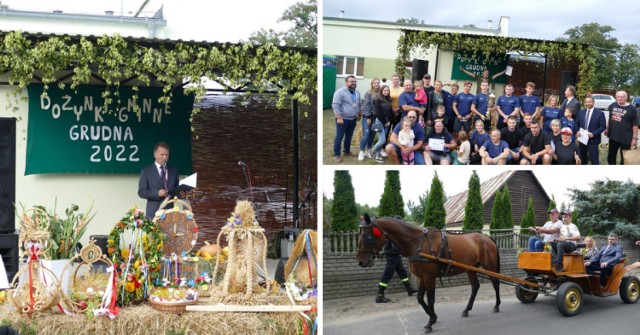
(130, 287)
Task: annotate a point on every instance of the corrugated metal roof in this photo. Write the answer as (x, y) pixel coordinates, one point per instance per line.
(455, 206)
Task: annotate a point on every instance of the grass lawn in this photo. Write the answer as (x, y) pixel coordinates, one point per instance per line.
(329, 134)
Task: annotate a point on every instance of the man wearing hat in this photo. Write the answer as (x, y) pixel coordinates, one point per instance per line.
(551, 231)
(569, 236)
(566, 151)
(426, 83)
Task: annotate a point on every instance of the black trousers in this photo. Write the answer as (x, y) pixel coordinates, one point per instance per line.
(614, 147)
(604, 272)
(394, 264)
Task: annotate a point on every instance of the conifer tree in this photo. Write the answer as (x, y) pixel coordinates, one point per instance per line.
(496, 212)
(529, 219)
(391, 203)
(473, 209)
(507, 215)
(344, 215)
(434, 215)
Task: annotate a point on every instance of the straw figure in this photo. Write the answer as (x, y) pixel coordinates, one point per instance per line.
(34, 294)
(246, 248)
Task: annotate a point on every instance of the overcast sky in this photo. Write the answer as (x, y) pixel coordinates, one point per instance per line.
(368, 181)
(213, 21)
(542, 19)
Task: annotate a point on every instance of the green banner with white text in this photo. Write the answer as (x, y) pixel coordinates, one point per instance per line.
(477, 63)
(72, 131)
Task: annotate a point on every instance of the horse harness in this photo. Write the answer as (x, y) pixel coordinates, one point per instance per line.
(443, 252)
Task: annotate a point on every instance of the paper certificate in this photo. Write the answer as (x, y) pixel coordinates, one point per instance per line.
(436, 144)
(509, 70)
(584, 136)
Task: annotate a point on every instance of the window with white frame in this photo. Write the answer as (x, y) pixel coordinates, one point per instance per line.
(350, 66)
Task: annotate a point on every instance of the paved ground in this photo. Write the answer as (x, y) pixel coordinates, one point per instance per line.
(340, 309)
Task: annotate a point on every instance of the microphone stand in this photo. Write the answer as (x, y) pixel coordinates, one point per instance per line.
(247, 177)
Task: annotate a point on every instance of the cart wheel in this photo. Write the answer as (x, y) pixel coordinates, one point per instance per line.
(630, 289)
(569, 299)
(524, 293)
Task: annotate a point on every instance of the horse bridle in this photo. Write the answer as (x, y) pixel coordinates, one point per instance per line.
(369, 239)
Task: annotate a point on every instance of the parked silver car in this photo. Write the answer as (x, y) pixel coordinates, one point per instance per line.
(603, 101)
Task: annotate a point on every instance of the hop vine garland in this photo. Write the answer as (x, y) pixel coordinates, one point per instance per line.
(411, 40)
(116, 60)
(139, 270)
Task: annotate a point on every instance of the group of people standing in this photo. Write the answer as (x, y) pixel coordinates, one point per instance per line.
(418, 123)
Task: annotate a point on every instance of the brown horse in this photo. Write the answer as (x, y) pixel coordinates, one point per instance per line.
(473, 249)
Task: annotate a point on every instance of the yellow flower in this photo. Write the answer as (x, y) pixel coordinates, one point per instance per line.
(111, 242)
(137, 263)
(160, 246)
(130, 287)
(125, 253)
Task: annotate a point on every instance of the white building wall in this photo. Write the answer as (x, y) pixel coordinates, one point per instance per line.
(112, 195)
(76, 27)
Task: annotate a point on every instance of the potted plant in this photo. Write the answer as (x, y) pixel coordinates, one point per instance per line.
(64, 235)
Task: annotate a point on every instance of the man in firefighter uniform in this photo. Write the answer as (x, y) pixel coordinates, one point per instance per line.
(394, 263)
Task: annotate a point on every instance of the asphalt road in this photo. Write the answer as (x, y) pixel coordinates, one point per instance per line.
(598, 316)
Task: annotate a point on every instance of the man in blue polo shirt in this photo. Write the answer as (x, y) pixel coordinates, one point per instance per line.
(393, 148)
(494, 152)
(438, 144)
(407, 100)
(507, 104)
(480, 105)
(462, 108)
(529, 103)
(448, 105)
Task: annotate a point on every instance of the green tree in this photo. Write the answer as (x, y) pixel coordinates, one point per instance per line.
(304, 16)
(435, 215)
(507, 214)
(391, 202)
(609, 206)
(344, 216)
(626, 73)
(529, 219)
(605, 48)
(327, 204)
(416, 210)
(411, 20)
(496, 211)
(473, 208)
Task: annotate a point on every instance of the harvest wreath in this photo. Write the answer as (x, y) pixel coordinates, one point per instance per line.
(138, 265)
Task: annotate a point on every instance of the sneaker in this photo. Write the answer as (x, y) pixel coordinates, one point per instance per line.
(367, 154)
(361, 156)
(383, 153)
(338, 159)
(378, 159)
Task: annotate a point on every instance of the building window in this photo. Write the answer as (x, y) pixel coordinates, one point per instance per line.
(350, 66)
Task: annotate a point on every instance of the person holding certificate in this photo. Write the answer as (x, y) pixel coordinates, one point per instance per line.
(438, 144)
(590, 123)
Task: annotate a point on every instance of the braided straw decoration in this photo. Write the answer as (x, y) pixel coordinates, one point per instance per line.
(250, 273)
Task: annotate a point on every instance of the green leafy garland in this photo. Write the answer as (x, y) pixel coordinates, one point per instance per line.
(411, 40)
(115, 59)
(133, 283)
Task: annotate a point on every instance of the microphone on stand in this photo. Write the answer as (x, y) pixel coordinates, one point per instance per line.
(247, 176)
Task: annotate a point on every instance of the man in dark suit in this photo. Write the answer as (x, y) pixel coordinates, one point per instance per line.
(570, 101)
(157, 180)
(593, 120)
(604, 261)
